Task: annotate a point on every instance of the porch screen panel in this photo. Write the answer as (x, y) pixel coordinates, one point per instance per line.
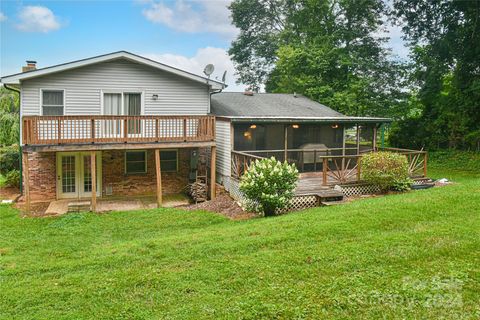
(112, 103)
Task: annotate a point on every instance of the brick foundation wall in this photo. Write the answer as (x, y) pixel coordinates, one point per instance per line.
(143, 184)
(42, 176)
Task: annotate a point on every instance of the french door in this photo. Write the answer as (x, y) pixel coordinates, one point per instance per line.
(74, 178)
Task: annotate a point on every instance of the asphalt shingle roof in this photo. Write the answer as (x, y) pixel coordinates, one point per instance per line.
(237, 104)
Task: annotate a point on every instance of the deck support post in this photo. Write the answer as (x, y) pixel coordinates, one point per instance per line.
(285, 156)
(374, 138)
(358, 138)
(26, 181)
(213, 160)
(93, 174)
(425, 158)
(159, 177)
(324, 171)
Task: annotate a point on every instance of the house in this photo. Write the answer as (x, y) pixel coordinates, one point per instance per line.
(139, 127)
(132, 125)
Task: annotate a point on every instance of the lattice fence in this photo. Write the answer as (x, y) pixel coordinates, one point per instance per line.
(297, 203)
(422, 181)
(350, 190)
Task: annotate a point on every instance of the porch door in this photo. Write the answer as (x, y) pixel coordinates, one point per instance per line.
(112, 106)
(74, 179)
(133, 107)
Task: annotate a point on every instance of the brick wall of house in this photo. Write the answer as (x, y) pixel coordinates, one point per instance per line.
(42, 175)
(143, 184)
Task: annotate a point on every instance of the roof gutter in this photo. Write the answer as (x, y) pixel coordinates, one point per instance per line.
(307, 120)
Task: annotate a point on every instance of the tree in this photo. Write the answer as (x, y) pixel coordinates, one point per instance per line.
(9, 117)
(328, 50)
(444, 37)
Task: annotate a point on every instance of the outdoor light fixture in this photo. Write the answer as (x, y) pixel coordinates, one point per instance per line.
(253, 126)
(295, 126)
(155, 97)
(334, 126)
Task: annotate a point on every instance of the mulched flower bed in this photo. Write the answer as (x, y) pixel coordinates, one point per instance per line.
(223, 204)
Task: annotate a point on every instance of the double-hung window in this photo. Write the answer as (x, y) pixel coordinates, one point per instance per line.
(52, 102)
(168, 160)
(135, 162)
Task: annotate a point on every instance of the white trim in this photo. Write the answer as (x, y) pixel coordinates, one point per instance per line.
(16, 78)
(122, 93)
(52, 89)
(79, 175)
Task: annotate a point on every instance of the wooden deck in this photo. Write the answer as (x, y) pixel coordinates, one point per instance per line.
(314, 185)
(101, 129)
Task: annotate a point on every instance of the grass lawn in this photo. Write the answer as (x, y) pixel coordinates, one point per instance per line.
(415, 255)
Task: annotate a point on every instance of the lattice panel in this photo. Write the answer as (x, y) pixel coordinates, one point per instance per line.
(421, 181)
(234, 190)
(297, 203)
(359, 189)
(301, 202)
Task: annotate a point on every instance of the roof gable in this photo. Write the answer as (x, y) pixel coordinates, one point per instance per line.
(16, 78)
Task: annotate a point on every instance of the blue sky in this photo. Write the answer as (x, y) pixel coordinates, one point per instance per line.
(185, 34)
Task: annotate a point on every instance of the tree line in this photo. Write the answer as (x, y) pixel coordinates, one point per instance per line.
(336, 52)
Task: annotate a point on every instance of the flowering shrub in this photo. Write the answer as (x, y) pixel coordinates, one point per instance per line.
(268, 185)
(388, 170)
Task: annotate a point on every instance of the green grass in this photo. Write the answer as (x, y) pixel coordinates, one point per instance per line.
(414, 255)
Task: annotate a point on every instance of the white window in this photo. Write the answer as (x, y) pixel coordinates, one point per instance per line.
(52, 102)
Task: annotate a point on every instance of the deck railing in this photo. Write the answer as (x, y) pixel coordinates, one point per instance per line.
(47, 130)
(335, 165)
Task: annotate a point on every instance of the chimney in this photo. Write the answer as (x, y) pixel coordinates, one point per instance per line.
(248, 92)
(31, 65)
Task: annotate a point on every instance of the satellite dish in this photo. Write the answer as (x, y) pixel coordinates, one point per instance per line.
(224, 76)
(208, 69)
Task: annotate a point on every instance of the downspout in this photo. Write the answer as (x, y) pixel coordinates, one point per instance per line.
(19, 142)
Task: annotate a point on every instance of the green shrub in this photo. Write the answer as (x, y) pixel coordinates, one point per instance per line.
(12, 179)
(268, 185)
(388, 170)
(9, 159)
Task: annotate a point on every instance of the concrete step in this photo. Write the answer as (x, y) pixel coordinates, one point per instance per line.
(79, 206)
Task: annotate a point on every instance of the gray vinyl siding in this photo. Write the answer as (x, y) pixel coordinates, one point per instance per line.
(223, 141)
(83, 88)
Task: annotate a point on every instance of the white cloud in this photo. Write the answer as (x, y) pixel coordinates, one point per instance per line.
(2, 17)
(37, 19)
(192, 16)
(217, 56)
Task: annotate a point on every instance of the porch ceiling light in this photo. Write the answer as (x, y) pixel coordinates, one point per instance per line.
(335, 126)
(253, 126)
(295, 126)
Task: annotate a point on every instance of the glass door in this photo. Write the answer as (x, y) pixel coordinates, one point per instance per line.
(112, 104)
(67, 176)
(85, 188)
(74, 178)
(133, 107)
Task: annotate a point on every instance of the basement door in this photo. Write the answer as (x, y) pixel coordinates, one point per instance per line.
(74, 179)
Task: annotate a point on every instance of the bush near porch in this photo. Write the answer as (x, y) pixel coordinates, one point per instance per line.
(402, 256)
(269, 184)
(387, 170)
